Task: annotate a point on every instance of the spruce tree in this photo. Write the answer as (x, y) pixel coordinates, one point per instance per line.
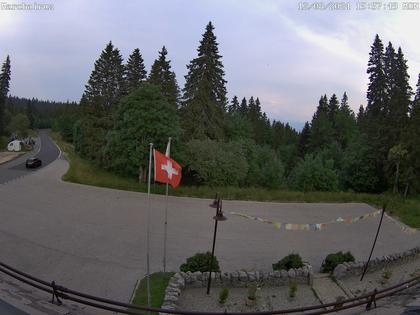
(204, 94)
(390, 69)
(346, 125)
(412, 141)
(377, 87)
(360, 116)
(375, 112)
(135, 72)
(4, 90)
(162, 76)
(322, 132)
(106, 83)
(243, 108)
(399, 101)
(103, 91)
(234, 106)
(333, 107)
(30, 114)
(252, 110)
(304, 141)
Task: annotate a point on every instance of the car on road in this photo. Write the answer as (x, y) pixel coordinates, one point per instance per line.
(33, 162)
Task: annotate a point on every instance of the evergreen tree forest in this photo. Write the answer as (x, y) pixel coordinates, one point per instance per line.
(232, 142)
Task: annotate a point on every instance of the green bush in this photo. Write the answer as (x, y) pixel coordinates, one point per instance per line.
(142, 117)
(223, 295)
(293, 287)
(215, 163)
(314, 173)
(3, 143)
(200, 262)
(334, 259)
(288, 262)
(252, 291)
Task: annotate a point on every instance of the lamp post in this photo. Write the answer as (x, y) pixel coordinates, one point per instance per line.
(218, 217)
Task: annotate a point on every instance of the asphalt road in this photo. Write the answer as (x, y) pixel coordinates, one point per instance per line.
(94, 239)
(47, 151)
(7, 309)
(44, 149)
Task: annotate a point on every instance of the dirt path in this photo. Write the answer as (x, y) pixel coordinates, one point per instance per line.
(8, 156)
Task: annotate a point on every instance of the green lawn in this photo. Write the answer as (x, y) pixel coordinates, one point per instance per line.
(158, 283)
(85, 172)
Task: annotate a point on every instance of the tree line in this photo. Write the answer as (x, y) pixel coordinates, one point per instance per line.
(124, 108)
(222, 142)
(234, 143)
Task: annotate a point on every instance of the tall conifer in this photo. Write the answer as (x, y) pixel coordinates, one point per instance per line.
(204, 94)
(4, 90)
(103, 91)
(162, 75)
(135, 72)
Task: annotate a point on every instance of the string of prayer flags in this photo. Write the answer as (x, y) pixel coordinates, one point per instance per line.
(402, 226)
(307, 226)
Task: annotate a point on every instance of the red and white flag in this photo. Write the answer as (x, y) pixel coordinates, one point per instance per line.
(167, 170)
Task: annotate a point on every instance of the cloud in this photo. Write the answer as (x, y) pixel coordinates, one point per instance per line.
(270, 49)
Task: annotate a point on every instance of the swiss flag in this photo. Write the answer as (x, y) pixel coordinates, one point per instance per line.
(167, 170)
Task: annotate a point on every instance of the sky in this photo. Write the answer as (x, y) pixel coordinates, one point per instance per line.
(285, 52)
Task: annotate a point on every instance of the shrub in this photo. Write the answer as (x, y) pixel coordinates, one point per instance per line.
(386, 275)
(293, 287)
(252, 291)
(314, 174)
(3, 143)
(332, 260)
(142, 116)
(200, 262)
(288, 262)
(215, 163)
(223, 295)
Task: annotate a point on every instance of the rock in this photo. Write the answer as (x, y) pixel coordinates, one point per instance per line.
(171, 291)
(225, 277)
(284, 274)
(170, 298)
(243, 276)
(251, 276)
(265, 275)
(340, 271)
(291, 273)
(198, 275)
(169, 307)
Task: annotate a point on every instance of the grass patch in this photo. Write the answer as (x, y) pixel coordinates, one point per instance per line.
(85, 172)
(4, 141)
(159, 281)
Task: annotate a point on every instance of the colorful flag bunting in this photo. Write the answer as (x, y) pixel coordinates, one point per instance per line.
(312, 226)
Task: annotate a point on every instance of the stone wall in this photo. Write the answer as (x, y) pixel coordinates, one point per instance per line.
(237, 279)
(348, 269)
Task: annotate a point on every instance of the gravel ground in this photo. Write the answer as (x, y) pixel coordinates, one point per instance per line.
(268, 298)
(383, 278)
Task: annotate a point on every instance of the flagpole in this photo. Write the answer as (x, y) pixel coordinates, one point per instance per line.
(165, 233)
(166, 228)
(148, 229)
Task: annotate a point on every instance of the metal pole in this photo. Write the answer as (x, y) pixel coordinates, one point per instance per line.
(374, 243)
(149, 299)
(212, 251)
(165, 228)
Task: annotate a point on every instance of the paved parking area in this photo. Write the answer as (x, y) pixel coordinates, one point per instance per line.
(93, 239)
